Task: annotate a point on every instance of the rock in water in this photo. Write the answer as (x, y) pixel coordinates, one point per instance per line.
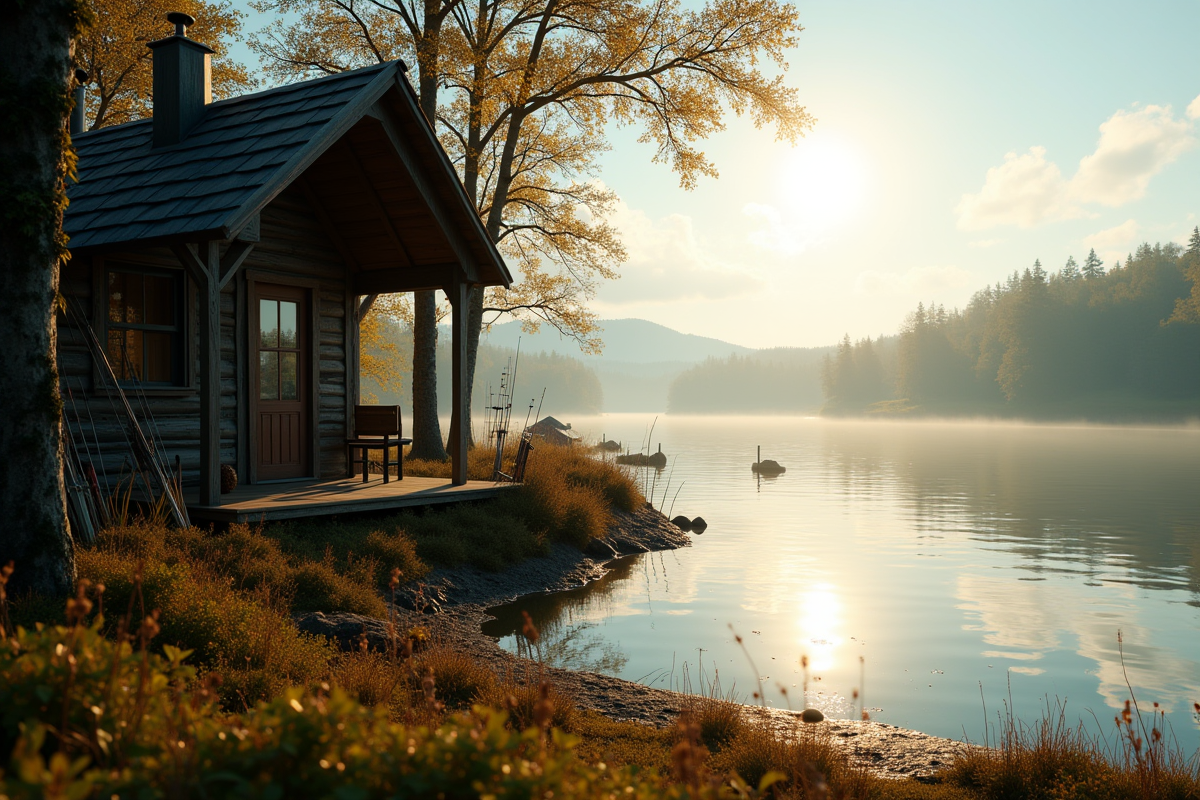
(682, 522)
(811, 715)
(768, 467)
(698, 525)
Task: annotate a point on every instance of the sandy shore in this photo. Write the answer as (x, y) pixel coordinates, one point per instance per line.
(452, 605)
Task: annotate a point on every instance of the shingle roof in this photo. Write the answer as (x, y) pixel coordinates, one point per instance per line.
(237, 156)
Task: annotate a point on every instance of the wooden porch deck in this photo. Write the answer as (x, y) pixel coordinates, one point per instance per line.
(276, 501)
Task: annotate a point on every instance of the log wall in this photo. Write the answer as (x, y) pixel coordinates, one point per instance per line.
(293, 249)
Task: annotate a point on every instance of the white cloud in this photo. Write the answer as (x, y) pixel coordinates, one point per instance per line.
(667, 263)
(1027, 189)
(1193, 109)
(787, 237)
(1116, 241)
(1023, 191)
(921, 281)
(1134, 147)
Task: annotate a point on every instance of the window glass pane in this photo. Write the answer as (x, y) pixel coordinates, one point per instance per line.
(134, 300)
(158, 357)
(287, 325)
(268, 375)
(116, 358)
(289, 380)
(132, 358)
(268, 323)
(116, 298)
(160, 300)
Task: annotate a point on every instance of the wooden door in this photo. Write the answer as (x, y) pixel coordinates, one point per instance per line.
(281, 366)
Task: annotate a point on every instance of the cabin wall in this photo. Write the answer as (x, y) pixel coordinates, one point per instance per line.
(292, 250)
(175, 411)
(295, 250)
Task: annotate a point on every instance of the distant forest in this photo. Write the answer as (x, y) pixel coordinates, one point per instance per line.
(780, 380)
(1080, 342)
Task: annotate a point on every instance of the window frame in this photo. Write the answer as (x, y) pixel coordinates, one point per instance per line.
(182, 371)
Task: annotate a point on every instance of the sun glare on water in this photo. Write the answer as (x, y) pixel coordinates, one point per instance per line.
(820, 624)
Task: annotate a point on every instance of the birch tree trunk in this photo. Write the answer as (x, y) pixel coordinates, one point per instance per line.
(36, 40)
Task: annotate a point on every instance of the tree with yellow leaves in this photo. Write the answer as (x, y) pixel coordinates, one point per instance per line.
(114, 54)
(528, 87)
(380, 359)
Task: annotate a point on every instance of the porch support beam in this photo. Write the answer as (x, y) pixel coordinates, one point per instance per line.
(403, 279)
(459, 292)
(235, 256)
(365, 305)
(203, 263)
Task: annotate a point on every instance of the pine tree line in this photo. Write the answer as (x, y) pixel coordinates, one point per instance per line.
(1081, 341)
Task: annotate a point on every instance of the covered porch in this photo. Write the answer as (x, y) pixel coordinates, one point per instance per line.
(315, 498)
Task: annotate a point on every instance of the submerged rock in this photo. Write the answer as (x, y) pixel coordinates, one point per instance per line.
(657, 460)
(811, 715)
(682, 522)
(699, 525)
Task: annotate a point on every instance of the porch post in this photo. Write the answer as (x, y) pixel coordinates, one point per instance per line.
(459, 293)
(210, 377)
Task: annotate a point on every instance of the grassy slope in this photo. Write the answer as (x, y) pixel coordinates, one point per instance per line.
(228, 597)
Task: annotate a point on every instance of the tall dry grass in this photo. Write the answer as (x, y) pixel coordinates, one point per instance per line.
(1054, 757)
(567, 495)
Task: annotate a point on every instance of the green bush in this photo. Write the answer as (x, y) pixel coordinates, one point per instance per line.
(86, 717)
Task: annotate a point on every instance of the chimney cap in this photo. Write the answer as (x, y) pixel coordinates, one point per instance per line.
(181, 21)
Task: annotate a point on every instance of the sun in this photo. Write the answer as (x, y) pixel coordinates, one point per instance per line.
(822, 183)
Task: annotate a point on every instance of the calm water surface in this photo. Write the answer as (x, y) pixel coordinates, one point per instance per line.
(925, 562)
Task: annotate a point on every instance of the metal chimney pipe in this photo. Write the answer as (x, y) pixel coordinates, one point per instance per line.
(78, 120)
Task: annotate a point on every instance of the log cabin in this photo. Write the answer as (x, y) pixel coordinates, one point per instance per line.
(224, 252)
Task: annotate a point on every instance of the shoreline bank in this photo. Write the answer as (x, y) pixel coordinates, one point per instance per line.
(452, 604)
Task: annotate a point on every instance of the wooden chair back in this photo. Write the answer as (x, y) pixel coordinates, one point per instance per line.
(377, 421)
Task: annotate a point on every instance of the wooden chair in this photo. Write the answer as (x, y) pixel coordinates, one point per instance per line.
(376, 428)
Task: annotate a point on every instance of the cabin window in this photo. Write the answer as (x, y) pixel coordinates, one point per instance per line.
(278, 350)
(145, 326)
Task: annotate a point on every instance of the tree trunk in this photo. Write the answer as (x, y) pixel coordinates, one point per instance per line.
(35, 39)
(474, 328)
(426, 429)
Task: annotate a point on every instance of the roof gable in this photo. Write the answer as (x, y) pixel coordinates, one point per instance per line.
(130, 192)
(242, 153)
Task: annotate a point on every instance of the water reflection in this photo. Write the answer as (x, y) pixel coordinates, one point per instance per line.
(948, 555)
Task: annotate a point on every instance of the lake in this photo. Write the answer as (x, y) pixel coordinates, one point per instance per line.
(941, 567)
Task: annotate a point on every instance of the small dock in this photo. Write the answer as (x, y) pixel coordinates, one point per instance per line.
(296, 499)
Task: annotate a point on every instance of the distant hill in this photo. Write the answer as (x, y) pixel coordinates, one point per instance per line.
(635, 341)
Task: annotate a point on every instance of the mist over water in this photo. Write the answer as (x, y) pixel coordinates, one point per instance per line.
(947, 555)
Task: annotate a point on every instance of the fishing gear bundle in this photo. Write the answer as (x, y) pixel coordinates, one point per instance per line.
(98, 495)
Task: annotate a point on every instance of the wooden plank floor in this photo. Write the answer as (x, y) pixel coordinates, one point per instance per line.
(275, 501)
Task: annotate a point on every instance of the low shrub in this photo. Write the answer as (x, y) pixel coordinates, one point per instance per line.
(243, 635)
(85, 716)
(567, 494)
(459, 681)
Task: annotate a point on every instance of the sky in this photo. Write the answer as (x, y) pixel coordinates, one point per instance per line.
(955, 142)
